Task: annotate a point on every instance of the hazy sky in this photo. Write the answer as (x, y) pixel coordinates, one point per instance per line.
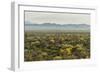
(60, 18)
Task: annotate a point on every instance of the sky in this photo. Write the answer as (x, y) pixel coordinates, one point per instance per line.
(58, 18)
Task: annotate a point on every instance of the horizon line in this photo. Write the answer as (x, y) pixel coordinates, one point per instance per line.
(57, 23)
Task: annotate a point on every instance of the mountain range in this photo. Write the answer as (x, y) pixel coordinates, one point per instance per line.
(54, 26)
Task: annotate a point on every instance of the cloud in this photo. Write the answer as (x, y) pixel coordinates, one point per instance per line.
(59, 18)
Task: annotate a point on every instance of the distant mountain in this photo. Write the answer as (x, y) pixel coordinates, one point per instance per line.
(54, 26)
(28, 22)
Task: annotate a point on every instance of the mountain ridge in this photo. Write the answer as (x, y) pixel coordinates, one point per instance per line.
(54, 26)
